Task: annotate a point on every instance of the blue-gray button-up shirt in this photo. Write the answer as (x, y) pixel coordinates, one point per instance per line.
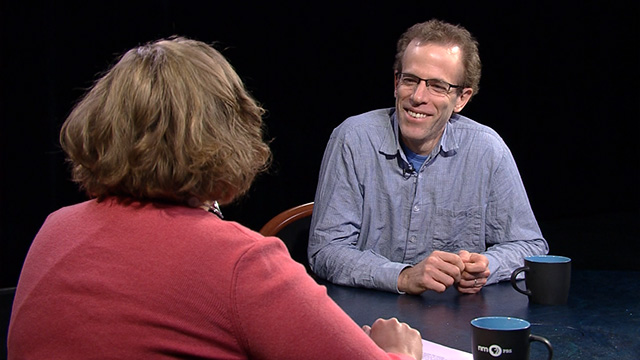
(374, 215)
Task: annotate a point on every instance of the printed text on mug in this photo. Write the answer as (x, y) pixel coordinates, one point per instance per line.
(494, 350)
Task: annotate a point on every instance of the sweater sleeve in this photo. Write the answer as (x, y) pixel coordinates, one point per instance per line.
(283, 314)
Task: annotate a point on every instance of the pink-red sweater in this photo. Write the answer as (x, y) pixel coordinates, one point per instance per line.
(107, 280)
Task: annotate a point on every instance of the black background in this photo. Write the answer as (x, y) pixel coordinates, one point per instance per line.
(560, 84)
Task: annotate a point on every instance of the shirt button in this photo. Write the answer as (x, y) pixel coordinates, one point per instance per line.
(416, 208)
(412, 239)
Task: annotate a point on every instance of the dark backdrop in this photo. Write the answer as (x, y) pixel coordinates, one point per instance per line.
(560, 84)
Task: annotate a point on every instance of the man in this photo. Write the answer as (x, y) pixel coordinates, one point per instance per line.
(419, 197)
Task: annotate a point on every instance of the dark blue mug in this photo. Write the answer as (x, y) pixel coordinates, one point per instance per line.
(503, 338)
(547, 278)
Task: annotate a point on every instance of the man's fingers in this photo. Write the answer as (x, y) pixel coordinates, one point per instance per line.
(446, 257)
(464, 255)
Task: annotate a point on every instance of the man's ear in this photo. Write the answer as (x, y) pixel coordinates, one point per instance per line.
(463, 99)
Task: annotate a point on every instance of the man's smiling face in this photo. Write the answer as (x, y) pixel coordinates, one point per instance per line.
(423, 115)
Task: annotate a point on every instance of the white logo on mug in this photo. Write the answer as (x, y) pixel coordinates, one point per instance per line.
(494, 350)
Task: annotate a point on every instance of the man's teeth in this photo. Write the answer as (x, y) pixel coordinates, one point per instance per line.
(416, 115)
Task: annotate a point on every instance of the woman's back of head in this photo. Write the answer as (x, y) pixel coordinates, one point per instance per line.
(170, 121)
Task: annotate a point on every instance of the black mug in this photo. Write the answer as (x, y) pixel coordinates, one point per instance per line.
(503, 338)
(547, 277)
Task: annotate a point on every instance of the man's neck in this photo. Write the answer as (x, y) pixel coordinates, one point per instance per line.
(423, 148)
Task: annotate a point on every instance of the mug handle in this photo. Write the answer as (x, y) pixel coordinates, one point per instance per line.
(513, 280)
(545, 342)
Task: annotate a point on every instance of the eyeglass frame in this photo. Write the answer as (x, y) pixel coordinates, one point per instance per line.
(399, 75)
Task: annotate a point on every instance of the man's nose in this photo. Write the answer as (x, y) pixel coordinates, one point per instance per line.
(420, 93)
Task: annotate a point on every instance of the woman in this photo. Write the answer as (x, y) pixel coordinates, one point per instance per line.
(142, 270)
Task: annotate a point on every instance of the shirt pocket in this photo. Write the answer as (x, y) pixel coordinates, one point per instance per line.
(458, 230)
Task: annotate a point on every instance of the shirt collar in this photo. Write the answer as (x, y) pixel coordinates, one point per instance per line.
(391, 143)
(448, 142)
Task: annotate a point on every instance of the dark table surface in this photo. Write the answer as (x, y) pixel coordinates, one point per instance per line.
(600, 321)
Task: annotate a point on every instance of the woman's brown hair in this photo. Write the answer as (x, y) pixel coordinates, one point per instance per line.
(170, 121)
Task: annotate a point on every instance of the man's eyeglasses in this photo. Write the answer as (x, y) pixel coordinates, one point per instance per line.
(435, 86)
